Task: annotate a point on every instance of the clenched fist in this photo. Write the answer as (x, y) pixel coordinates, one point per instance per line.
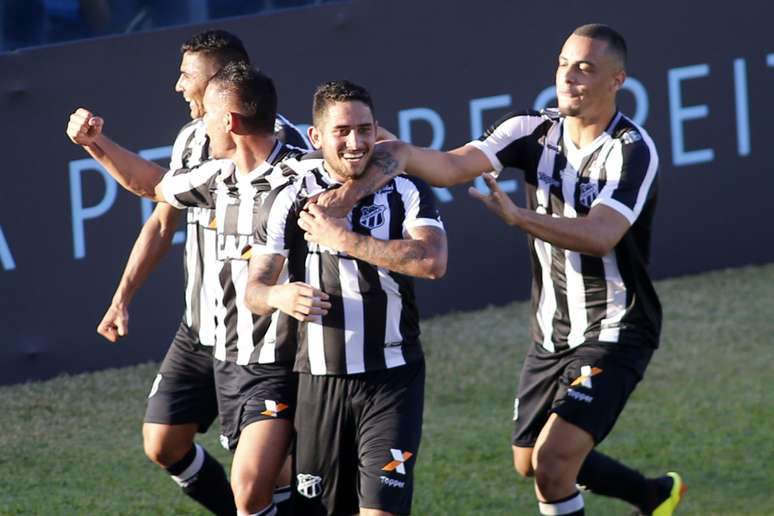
(84, 127)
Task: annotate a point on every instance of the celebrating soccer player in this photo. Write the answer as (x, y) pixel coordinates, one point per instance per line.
(590, 176)
(361, 381)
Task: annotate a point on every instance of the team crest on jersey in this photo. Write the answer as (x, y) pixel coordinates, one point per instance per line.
(308, 485)
(588, 192)
(372, 216)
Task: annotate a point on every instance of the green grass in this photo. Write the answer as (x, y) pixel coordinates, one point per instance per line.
(72, 445)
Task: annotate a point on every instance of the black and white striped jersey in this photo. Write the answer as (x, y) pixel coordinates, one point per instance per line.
(191, 148)
(234, 201)
(373, 323)
(578, 298)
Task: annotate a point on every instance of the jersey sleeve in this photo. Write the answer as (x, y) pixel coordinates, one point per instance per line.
(278, 224)
(418, 202)
(631, 170)
(508, 142)
(194, 187)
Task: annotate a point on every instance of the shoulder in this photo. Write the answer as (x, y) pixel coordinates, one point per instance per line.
(519, 123)
(634, 140)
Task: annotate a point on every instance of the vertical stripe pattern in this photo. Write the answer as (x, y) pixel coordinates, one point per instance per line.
(579, 298)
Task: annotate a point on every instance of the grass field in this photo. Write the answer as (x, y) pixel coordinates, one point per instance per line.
(72, 445)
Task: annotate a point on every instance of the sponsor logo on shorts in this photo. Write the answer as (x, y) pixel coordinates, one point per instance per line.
(273, 408)
(391, 482)
(579, 396)
(515, 409)
(585, 378)
(399, 457)
(155, 386)
(224, 441)
(309, 485)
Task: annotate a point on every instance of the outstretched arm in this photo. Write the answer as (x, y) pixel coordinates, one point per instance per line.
(138, 175)
(596, 234)
(422, 254)
(391, 158)
(298, 300)
(152, 244)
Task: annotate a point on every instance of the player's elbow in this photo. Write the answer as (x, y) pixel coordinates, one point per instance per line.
(435, 268)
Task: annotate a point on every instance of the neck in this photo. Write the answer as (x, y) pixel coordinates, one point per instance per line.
(333, 174)
(585, 129)
(251, 151)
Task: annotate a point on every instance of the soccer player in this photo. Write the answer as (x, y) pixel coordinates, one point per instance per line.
(591, 186)
(255, 387)
(182, 400)
(361, 383)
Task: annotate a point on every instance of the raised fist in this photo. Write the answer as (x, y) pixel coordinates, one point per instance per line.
(84, 127)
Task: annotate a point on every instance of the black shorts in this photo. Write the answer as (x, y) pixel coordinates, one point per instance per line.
(357, 439)
(587, 386)
(250, 393)
(184, 389)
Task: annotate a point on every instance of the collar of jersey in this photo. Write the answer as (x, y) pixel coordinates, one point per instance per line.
(263, 169)
(590, 147)
(326, 176)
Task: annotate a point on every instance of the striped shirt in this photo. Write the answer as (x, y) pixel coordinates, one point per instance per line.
(578, 298)
(234, 201)
(191, 148)
(373, 323)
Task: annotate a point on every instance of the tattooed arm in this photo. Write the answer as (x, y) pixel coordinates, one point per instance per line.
(263, 295)
(391, 158)
(421, 254)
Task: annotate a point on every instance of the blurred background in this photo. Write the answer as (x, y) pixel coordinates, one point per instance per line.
(31, 23)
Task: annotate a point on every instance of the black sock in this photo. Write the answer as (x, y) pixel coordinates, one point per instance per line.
(203, 478)
(605, 476)
(282, 501)
(570, 506)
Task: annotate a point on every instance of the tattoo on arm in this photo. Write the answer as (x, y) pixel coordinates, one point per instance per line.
(411, 256)
(385, 163)
(266, 268)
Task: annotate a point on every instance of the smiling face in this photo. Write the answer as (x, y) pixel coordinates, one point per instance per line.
(588, 77)
(346, 134)
(196, 69)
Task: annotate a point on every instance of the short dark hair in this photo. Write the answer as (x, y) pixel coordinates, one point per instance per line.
(338, 91)
(613, 38)
(220, 45)
(253, 93)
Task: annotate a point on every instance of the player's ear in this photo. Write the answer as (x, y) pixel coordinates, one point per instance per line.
(231, 122)
(314, 136)
(618, 80)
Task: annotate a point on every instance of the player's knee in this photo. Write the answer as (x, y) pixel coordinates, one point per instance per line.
(161, 450)
(550, 470)
(250, 494)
